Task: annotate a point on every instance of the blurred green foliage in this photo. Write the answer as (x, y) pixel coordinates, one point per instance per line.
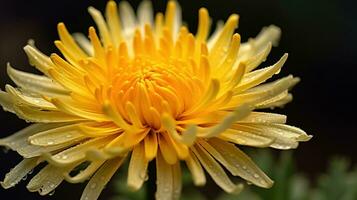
(338, 182)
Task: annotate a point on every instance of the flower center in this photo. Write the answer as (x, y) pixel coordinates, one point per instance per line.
(147, 88)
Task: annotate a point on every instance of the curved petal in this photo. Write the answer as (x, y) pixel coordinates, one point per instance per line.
(236, 162)
(101, 178)
(19, 171)
(168, 180)
(215, 170)
(36, 83)
(137, 172)
(46, 180)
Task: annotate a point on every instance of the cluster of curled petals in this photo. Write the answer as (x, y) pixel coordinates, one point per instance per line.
(146, 89)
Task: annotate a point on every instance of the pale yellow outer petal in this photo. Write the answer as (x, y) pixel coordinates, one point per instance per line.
(46, 180)
(19, 140)
(238, 163)
(215, 170)
(6, 102)
(197, 172)
(36, 83)
(137, 172)
(168, 179)
(101, 178)
(18, 172)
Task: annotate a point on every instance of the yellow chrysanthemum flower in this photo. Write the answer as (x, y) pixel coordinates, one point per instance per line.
(148, 89)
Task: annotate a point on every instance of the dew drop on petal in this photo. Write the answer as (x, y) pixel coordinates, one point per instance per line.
(51, 193)
(93, 185)
(52, 185)
(263, 182)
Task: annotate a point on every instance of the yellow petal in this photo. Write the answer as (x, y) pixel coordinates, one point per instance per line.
(284, 136)
(246, 138)
(35, 83)
(125, 142)
(216, 171)
(6, 102)
(259, 76)
(60, 135)
(203, 25)
(263, 117)
(128, 18)
(86, 173)
(84, 43)
(46, 180)
(263, 94)
(187, 137)
(277, 101)
(71, 108)
(76, 153)
(69, 42)
(198, 175)
(18, 172)
(19, 140)
(145, 13)
(167, 151)
(137, 172)
(239, 113)
(102, 25)
(177, 181)
(151, 145)
(30, 100)
(181, 149)
(100, 179)
(168, 179)
(113, 22)
(42, 116)
(38, 59)
(236, 162)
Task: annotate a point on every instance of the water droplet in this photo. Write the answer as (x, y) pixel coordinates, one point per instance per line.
(256, 176)
(249, 183)
(263, 182)
(24, 178)
(166, 189)
(242, 141)
(64, 157)
(93, 185)
(31, 171)
(50, 142)
(51, 193)
(69, 136)
(244, 167)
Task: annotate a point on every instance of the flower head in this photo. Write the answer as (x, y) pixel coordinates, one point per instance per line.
(149, 90)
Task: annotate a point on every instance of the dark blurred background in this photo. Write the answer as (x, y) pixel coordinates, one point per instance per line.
(319, 35)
